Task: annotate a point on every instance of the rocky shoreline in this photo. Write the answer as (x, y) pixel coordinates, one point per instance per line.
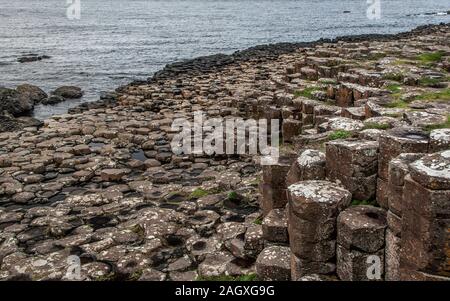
(365, 131)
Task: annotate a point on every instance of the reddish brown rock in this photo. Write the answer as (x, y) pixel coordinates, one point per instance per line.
(313, 209)
(112, 175)
(274, 226)
(361, 227)
(354, 265)
(290, 129)
(354, 165)
(273, 264)
(399, 140)
(425, 223)
(310, 165)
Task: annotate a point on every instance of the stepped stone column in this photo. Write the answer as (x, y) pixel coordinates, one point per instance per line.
(274, 226)
(360, 234)
(291, 128)
(344, 95)
(398, 170)
(354, 164)
(312, 211)
(425, 243)
(392, 143)
(308, 106)
(273, 185)
(310, 165)
(273, 264)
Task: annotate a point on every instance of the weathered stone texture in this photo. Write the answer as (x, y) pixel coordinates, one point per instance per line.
(354, 164)
(310, 165)
(273, 264)
(397, 141)
(360, 234)
(425, 222)
(313, 209)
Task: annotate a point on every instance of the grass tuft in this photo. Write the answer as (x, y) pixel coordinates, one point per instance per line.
(307, 92)
(339, 135)
(232, 196)
(429, 82)
(394, 88)
(372, 202)
(443, 96)
(258, 221)
(198, 193)
(396, 76)
(431, 57)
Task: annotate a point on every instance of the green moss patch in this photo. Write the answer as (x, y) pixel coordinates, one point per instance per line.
(378, 126)
(396, 76)
(443, 95)
(307, 92)
(198, 193)
(431, 57)
(394, 88)
(372, 202)
(339, 135)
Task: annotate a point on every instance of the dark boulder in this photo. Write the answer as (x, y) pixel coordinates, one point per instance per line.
(15, 103)
(35, 93)
(53, 99)
(27, 58)
(68, 92)
(9, 123)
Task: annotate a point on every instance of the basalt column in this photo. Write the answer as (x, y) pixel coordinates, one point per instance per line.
(310, 165)
(312, 211)
(354, 164)
(425, 244)
(393, 143)
(398, 169)
(273, 186)
(360, 243)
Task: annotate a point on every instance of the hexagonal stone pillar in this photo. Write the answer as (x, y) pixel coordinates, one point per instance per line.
(273, 185)
(310, 165)
(400, 140)
(398, 170)
(273, 264)
(290, 129)
(392, 143)
(274, 226)
(425, 243)
(354, 164)
(360, 235)
(313, 209)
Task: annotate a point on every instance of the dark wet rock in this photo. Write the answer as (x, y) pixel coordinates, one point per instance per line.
(52, 100)
(27, 58)
(8, 123)
(34, 93)
(69, 92)
(14, 102)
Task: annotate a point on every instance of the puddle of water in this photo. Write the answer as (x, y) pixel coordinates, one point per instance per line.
(139, 155)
